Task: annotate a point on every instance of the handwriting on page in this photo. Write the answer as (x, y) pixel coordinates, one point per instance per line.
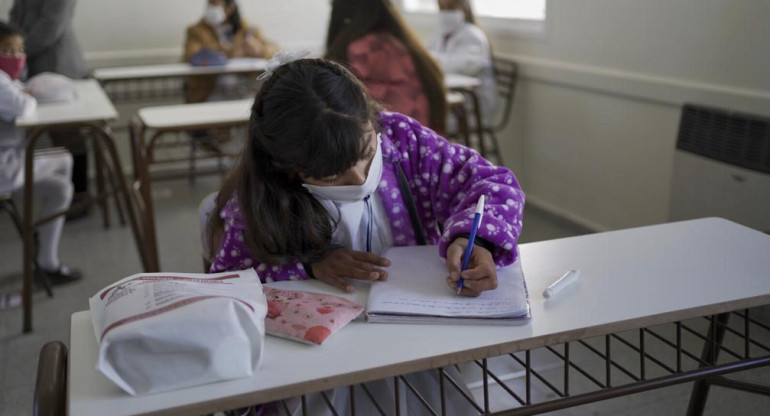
(452, 307)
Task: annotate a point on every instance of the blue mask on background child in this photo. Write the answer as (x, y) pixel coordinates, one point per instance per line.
(352, 193)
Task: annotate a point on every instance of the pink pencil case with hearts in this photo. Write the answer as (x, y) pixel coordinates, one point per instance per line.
(307, 317)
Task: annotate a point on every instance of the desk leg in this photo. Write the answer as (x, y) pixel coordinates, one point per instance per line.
(28, 234)
(710, 354)
(111, 152)
(106, 189)
(100, 186)
(141, 156)
(461, 115)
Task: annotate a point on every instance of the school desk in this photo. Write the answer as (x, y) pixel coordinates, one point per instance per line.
(631, 280)
(152, 81)
(93, 110)
(155, 122)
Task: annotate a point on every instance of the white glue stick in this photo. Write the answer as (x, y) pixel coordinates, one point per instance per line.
(565, 280)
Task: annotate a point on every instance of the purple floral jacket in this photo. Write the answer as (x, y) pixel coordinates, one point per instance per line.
(446, 180)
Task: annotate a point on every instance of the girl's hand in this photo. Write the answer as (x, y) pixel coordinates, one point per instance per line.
(481, 274)
(342, 264)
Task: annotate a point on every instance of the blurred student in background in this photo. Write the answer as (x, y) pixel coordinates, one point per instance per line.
(461, 47)
(221, 34)
(372, 39)
(52, 46)
(52, 169)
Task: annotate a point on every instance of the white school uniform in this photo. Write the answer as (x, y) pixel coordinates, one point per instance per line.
(52, 169)
(13, 103)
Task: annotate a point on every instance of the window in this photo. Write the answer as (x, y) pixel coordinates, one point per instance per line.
(501, 9)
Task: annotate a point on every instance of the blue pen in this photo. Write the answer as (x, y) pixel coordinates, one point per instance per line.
(471, 240)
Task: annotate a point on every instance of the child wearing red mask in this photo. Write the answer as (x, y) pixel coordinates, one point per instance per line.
(53, 169)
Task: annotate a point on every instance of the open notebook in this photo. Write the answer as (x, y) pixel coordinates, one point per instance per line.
(416, 292)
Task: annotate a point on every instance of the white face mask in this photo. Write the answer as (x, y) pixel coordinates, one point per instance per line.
(352, 193)
(214, 15)
(450, 20)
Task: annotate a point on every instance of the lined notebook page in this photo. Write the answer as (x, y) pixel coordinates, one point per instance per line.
(416, 286)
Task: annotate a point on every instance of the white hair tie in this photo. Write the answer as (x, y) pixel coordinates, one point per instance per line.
(282, 58)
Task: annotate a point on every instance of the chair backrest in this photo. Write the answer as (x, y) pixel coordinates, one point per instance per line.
(506, 75)
(51, 383)
(205, 209)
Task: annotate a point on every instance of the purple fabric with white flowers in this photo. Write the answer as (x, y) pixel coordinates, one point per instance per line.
(446, 180)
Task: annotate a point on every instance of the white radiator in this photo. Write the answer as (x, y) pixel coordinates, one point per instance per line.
(722, 167)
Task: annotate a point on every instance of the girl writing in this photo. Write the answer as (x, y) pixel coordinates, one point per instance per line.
(327, 182)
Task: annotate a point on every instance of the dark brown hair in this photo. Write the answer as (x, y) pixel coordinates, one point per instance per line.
(310, 118)
(235, 18)
(354, 19)
(7, 29)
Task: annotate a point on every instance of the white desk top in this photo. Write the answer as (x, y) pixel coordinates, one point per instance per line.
(90, 105)
(233, 66)
(195, 115)
(629, 279)
(455, 81)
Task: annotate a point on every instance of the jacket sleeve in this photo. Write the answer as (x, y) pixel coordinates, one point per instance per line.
(448, 179)
(234, 253)
(53, 20)
(192, 44)
(14, 101)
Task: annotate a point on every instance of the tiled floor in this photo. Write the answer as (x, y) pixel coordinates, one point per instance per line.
(106, 255)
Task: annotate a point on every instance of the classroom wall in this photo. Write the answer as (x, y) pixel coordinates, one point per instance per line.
(599, 100)
(597, 110)
(122, 32)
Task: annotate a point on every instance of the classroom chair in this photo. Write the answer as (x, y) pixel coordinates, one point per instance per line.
(51, 383)
(506, 75)
(456, 102)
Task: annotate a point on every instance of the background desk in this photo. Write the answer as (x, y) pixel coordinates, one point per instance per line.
(156, 81)
(233, 66)
(91, 105)
(629, 279)
(92, 109)
(457, 81)
(172, 119)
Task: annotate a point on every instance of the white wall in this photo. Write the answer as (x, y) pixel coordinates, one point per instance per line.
(120, 32)
(596, 115)
(599, 100)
